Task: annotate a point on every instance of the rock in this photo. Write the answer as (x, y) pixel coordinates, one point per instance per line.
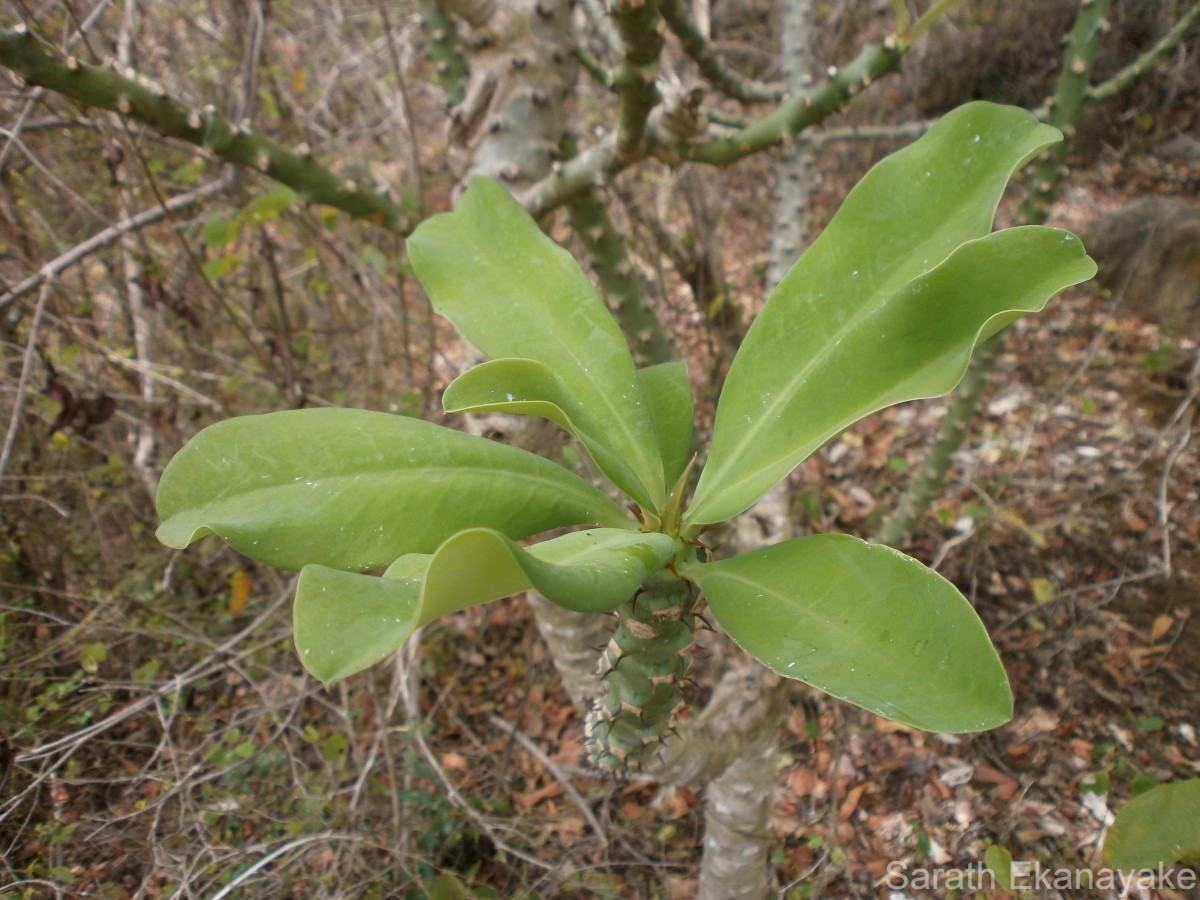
(1183, 149)
(1148, 253)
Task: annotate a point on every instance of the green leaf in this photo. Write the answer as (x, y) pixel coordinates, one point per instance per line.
(515, 294)
(220, 229)
(866, 624)
(588, 571)
(1000, 862)
(346, 622)
(218, 268)
(667, 387)
(279, 199)
(91, 655)
(526, 387)
(354, 489)
(888, 303)
(1159, 827)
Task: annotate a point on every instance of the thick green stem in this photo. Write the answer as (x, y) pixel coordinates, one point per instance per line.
(441, 46)
(104, 88)
(643, 669)
(1069, 96)
(1129, 75)
(600, 163)
(624, 290)
(634, 79)
(745, 90)
(797, 113)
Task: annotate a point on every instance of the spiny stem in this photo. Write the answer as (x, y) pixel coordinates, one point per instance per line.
(634, 78)
(797, 113)
(745, 90)
(441, 46)
(1070, 95)
(141, 101)
(1129, 75)
(621, 284)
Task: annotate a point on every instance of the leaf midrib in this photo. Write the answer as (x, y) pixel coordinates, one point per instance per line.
(782, 398)
(842, 633)
(992, 188)
(582, 490)
(645, 466)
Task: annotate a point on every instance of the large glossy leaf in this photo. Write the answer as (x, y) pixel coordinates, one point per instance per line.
(346, 621)
(515, 294)
(526, 387)
(668, 389)
(832, 344)
(1159, 827)
(587, 571)
(519, 386)
(354, 489)
(866, 624)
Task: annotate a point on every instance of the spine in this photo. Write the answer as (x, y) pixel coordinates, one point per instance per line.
(643, 670)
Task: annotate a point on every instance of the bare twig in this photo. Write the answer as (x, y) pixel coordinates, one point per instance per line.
(559, 775)
(408, 122)
(69, 743)
(745, 90)
(239, 143)
(141, 320)
(284, 848)
(14, 423)
(114, 233)
(1181, 422)
(412, 705)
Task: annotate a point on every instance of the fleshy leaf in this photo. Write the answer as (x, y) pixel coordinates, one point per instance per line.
(515, 294)
(887, 303)
(667, 387)
(526, 387)
(587, 571)
(1158, 828)
(353, 489)
(346, 622)
(865, 623)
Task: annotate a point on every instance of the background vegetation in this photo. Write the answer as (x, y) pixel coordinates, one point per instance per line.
(157, 734)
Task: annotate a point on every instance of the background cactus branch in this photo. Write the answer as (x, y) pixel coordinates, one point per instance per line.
(1128, 76)
(1071, 91)
(149, 104)
(634, 78)
(598, 164)
(795, 114)
(745, 90)
(441, 46)
(620, 282)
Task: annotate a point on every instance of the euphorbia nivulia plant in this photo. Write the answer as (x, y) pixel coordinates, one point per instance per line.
(885, 306)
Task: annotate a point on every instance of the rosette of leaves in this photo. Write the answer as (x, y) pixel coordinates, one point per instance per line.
(885, 306)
